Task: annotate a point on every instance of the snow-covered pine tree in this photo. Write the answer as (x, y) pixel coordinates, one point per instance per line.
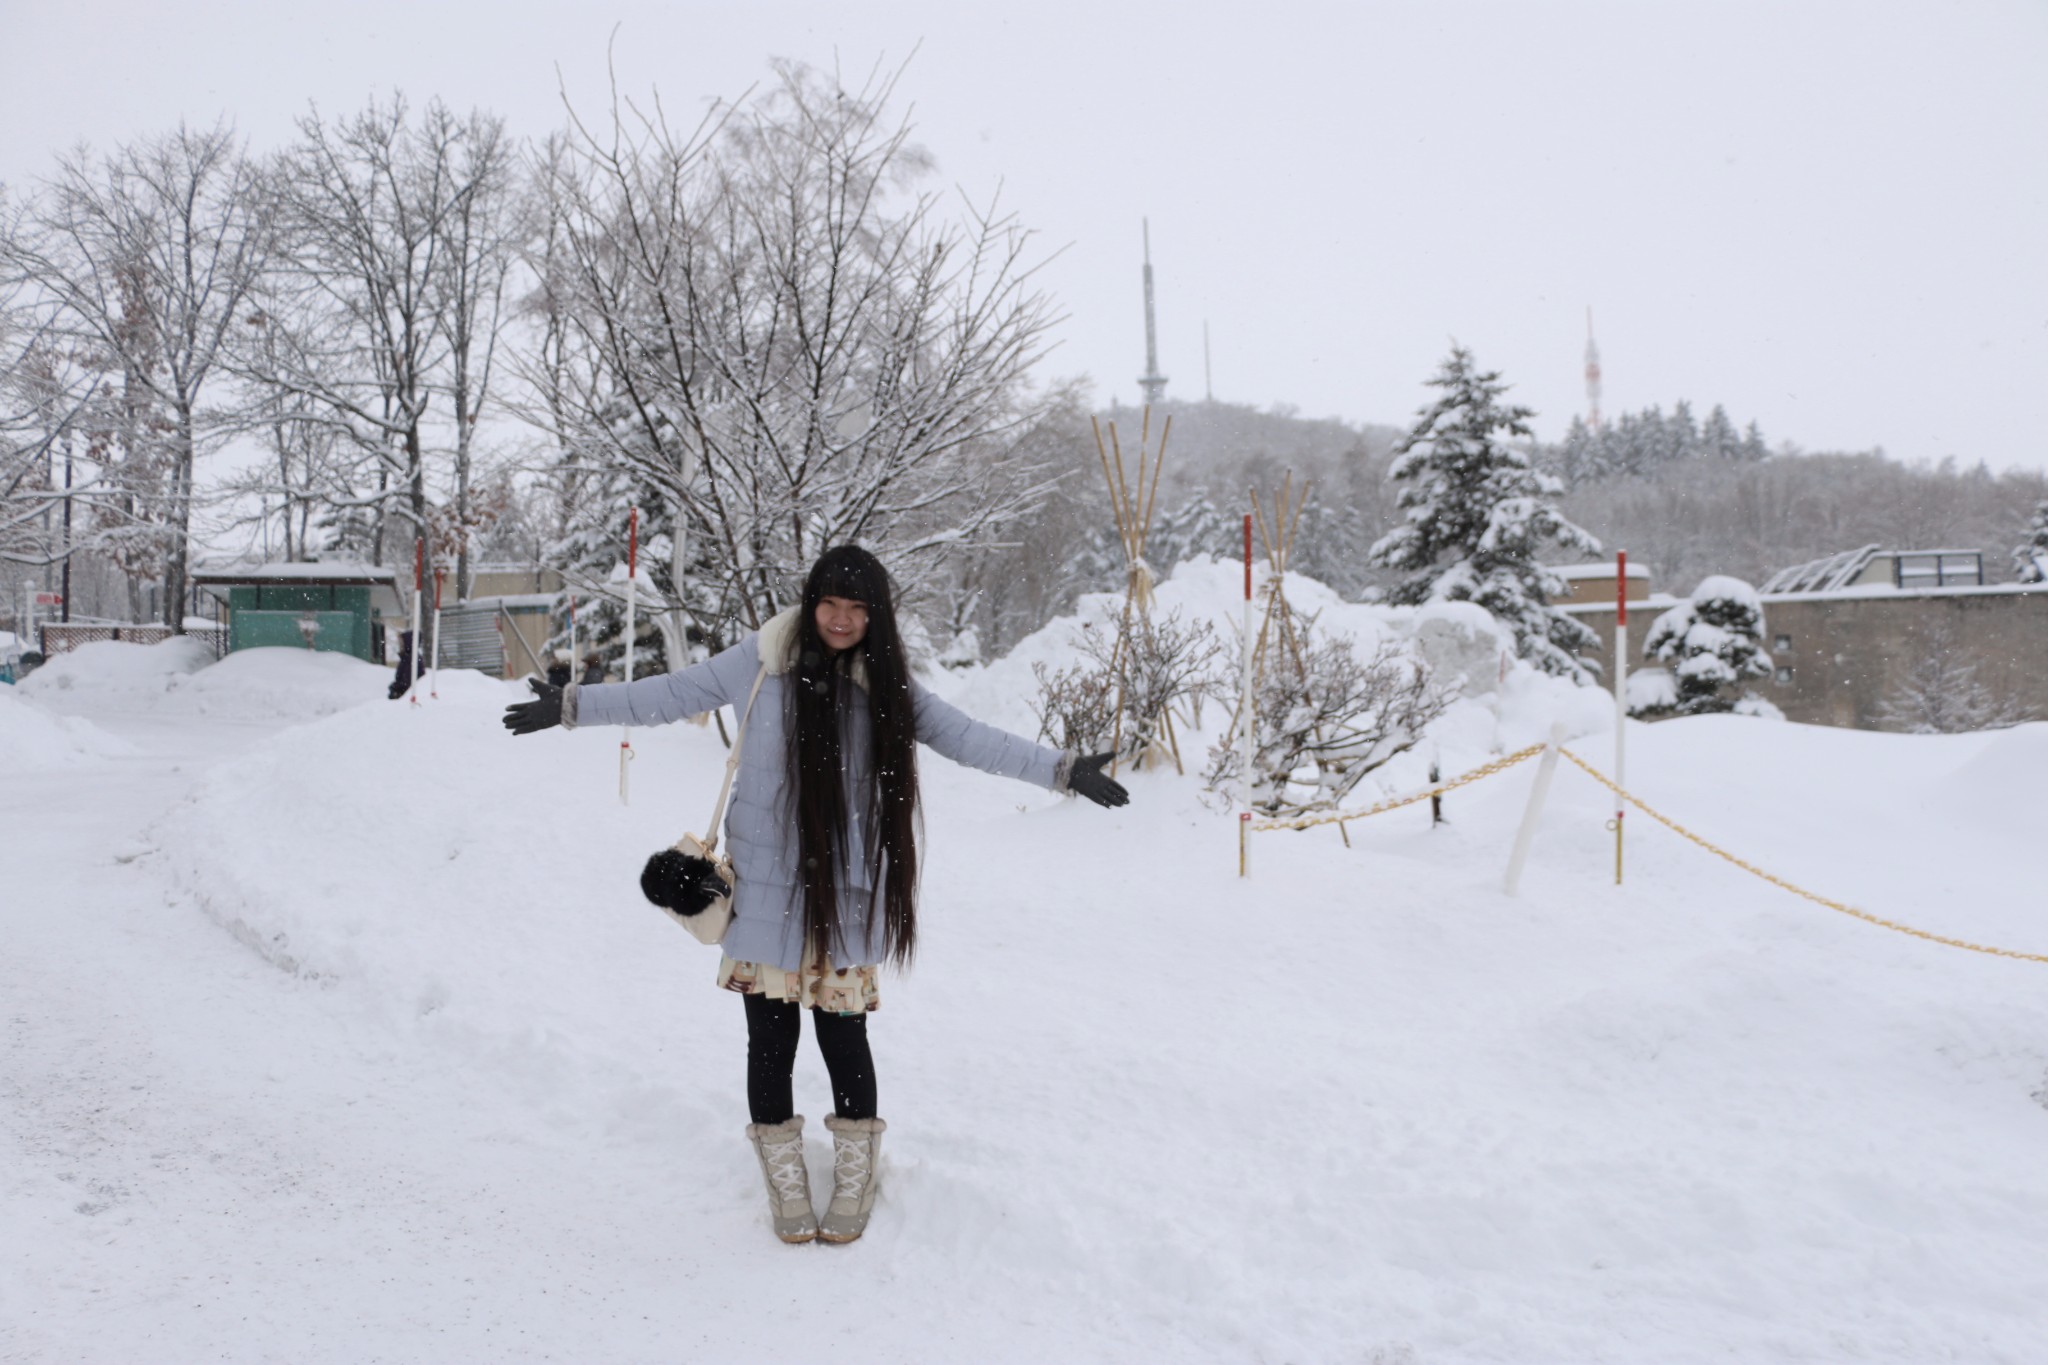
(2030, 556)
(1193, 528)
(1712, 643)
(1718, 438)
(1476, 512)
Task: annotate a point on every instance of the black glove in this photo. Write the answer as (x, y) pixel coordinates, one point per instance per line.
(1086, 778)
(544, 712)
(675, 881)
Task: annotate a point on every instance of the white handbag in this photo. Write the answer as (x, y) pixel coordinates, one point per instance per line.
(709, 924)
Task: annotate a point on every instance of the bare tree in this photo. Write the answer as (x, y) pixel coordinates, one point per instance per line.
(138, 262)
(389, 293)
(785, 344)
(1939, 693)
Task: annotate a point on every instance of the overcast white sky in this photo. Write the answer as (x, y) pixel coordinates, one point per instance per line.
(1832, 218)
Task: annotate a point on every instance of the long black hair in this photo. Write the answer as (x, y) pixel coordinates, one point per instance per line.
(822, 725)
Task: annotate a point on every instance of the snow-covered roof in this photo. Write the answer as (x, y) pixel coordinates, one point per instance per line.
(515, 601)
(1572, 572)
(1874, 590)
(324, 571)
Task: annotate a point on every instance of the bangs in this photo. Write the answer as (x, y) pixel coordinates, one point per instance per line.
(851, 573)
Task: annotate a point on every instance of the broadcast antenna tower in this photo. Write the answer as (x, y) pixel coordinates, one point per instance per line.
(1592, 368)
(1152, 382)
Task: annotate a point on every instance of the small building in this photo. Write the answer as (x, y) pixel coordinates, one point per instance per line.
(331, 606)
(504, 627)
(1844, 631)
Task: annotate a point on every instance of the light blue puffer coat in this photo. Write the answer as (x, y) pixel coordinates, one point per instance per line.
(760, 824)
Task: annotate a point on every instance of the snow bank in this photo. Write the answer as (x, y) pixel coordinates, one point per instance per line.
(116, 668)
(1360, 1107)
(32, 740)
(178, 676)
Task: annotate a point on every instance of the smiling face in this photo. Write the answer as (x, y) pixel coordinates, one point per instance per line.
(842, 622)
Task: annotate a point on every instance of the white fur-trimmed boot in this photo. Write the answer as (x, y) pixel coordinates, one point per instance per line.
(856, 1148)
(780, 1147)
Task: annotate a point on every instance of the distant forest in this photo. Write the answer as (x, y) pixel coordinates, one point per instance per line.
(1685, 496)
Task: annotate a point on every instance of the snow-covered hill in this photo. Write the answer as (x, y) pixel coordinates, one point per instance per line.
(354, 1040)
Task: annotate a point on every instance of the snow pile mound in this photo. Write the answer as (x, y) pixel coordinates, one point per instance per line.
(115, 670)
(32, 740)
(179, 677)
(290, 684)
(1504, 703)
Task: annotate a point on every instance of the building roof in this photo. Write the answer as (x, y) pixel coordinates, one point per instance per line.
(1571, 572)
(323, 571)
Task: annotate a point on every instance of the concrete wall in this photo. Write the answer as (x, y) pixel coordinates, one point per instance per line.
(1835, 657)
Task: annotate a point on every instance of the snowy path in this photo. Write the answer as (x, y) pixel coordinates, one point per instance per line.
(207, 1156)
(1364, 1109)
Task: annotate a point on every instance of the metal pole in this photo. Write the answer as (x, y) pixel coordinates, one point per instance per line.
(434, 663)
(419, 585)
(1247, 717)
(632, 601)
(1620, 695)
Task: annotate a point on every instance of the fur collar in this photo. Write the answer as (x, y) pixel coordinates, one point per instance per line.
(778, 646)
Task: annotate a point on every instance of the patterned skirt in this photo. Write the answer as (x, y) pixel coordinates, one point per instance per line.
(844, 990)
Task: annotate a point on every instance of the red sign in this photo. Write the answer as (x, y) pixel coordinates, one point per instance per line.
(49, 599)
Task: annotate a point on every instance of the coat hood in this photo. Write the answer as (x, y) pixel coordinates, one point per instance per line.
(779, 636)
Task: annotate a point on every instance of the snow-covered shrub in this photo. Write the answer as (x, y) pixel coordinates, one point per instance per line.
(2030, 556)
(1476, 511)
(1325, 717)
(1150, 663)
(1711, 644)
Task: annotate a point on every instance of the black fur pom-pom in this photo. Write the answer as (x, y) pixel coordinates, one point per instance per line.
(676, 881)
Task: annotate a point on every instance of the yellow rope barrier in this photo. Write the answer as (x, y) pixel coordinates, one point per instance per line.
(1338, 817)
(1781, 883)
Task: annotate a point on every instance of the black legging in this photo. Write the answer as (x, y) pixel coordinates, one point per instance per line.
(774, 1027)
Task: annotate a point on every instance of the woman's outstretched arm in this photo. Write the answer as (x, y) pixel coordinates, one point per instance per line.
(977, 744)
(723, 680)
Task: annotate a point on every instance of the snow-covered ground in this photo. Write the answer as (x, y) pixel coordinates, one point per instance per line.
(337, 1030)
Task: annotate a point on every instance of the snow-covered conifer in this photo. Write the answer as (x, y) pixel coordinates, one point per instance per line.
(2030, 556)
(1711, 644)
(1476, 512)
(1718, 437)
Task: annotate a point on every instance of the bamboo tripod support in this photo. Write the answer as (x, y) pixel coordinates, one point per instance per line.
(1133, 505)
(1277, 629)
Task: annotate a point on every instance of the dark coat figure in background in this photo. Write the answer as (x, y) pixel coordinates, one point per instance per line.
(402, 683)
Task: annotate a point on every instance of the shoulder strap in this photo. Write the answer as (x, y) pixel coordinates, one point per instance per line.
(732, 765)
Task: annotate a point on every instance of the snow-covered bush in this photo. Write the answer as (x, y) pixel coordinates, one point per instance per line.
(1325, 717)
(1149, 662)
(1711, 644)
(1476, 511)
(2030, 556)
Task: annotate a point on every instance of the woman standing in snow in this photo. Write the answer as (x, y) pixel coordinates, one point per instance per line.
(823, 833)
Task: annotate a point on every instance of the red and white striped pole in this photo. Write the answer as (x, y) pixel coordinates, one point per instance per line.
(434, 660)
(419, 588)
(632, 581)
(1620, 695)
(1247, 718)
